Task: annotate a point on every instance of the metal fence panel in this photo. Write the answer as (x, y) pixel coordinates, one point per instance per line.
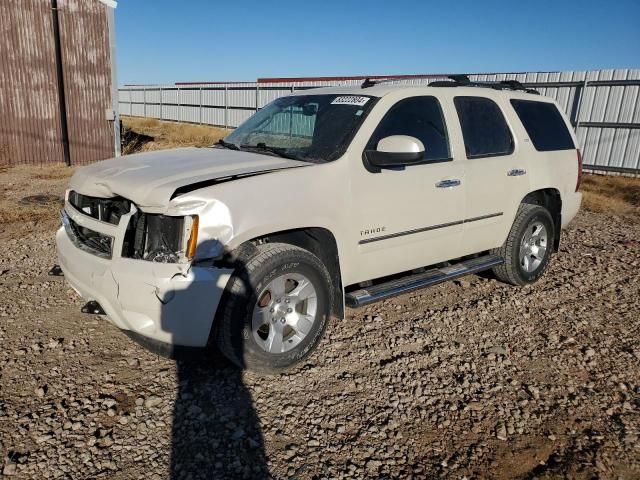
(237, 117)
(214, 98)
(213, 116)
(153, 111)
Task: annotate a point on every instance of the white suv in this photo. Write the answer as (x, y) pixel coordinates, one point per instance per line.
(323, 198)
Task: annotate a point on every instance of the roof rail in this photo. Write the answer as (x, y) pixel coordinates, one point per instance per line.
(463, 81)
(458, 80)
(377, 81)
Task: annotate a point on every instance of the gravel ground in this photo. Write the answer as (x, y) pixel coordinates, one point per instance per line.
(471, 379)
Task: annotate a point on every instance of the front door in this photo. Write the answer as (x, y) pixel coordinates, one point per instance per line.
(410, 217)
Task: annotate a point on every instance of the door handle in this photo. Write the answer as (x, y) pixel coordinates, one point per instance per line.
(448, 183)
(516, 172)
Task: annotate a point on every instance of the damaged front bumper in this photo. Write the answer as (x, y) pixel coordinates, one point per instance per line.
(170, 304)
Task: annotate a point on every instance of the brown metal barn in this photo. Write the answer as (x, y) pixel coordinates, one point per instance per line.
(57, 82)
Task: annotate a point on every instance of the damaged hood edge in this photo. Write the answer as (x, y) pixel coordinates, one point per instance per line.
(151, 180)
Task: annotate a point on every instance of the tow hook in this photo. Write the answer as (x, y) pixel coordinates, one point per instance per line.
(56, 271)
(92, 307)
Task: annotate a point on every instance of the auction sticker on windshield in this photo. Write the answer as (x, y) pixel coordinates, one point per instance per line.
(350, 100)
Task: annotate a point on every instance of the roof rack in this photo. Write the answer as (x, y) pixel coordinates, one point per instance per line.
(458, 81)
(463, 81)
(377, 81)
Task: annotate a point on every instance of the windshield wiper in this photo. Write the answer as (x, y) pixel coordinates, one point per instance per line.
(278, 151)
(229, 145)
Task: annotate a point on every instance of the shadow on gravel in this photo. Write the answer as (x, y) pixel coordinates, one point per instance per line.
(216, 432)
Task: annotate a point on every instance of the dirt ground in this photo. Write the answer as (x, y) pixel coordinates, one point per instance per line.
(471, 379)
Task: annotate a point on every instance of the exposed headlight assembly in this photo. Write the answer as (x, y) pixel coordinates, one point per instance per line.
(161, 238)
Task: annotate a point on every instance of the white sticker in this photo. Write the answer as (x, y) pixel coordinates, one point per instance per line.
(350, 100)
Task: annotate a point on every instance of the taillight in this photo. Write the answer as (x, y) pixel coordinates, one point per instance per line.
(579, 170)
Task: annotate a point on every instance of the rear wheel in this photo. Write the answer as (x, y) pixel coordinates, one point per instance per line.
(528, 248)
(275, 309)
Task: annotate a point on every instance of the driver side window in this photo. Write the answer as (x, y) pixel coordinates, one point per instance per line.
(419, 117)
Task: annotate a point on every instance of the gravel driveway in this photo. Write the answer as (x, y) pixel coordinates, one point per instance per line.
(472, 379)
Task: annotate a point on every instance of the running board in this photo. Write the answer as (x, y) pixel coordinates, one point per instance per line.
(375, 293)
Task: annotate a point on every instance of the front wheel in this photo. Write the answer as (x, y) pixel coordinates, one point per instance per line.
(528, 247)
(275, 309)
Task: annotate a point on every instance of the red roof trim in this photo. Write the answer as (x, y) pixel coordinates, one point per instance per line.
(207, 83)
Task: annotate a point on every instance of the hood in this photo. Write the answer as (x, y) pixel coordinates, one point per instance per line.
(150, 179)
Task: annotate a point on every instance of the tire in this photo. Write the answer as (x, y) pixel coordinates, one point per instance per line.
(524, 262)
(257, 288)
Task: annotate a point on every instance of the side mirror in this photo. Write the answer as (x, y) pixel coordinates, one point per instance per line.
(396, 151)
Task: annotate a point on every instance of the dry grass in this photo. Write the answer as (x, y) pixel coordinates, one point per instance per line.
(146, 134)
(19, 217)
(13, 212)
(53, 172)
(612, 194)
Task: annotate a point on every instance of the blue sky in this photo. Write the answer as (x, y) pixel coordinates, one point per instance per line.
(162, 41)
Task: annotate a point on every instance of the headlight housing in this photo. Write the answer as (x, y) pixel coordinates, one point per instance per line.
(161, 238)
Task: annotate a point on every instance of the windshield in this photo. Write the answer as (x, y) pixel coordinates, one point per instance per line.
(315, 128)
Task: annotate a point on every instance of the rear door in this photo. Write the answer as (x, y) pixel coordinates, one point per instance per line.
(412, 216)
(496, 173)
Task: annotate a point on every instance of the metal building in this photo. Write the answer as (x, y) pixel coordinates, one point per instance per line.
(58, 93)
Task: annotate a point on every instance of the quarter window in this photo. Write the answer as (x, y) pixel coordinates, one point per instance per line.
(484, 129)
(544, 125)
(419, 117)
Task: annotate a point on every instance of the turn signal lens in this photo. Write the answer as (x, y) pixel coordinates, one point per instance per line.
(193, 238)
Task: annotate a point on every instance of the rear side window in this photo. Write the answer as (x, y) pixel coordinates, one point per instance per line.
(419, 117)
(484, 129)
(544, 125)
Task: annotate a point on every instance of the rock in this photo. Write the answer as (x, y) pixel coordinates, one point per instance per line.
(497, 350)
(152, 401)
(373, 465)
(501, 431)
(9, 469)
(534, 392)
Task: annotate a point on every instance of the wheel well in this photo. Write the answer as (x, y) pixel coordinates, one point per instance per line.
(322, 244)
(550, 199)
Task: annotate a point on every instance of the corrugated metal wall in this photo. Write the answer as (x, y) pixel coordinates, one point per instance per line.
(29, 121)
(87, 74)
(30, 118)
(606, 117)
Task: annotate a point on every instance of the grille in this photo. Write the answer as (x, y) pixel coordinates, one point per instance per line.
(104, 209)
(86, 239)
